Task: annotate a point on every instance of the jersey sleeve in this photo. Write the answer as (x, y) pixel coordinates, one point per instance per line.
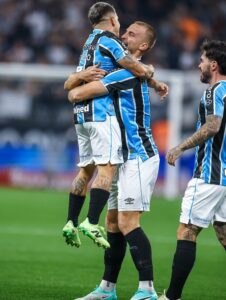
(119, 80)
(214, 100)
(112, 48)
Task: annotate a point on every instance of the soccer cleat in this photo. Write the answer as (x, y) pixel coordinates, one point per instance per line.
(163, 297)
(99, 294)
(144, 295)
(70, 232)
(94, 232)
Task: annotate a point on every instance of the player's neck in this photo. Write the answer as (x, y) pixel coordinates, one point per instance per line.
(104, 28)
(137, 55)
(217, 77)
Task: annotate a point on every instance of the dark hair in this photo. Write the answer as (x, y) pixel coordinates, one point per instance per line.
(98, 10)
(151, 34)
(216, 50)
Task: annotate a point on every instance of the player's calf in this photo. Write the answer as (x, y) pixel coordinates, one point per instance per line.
(220, 229)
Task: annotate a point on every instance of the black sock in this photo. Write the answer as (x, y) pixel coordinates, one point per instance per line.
(183, 262)
(75, 205)
(140, 250)
(114, 256)
(98, 199)
(225, 247)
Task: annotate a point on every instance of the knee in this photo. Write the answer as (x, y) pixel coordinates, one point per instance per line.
(112, 221)
(127, 223)
(188, 232)
(80, 182)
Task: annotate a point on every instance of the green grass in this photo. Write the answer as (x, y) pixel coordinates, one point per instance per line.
(36, 264)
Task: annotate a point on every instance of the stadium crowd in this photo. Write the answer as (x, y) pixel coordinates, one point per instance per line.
(52, 31)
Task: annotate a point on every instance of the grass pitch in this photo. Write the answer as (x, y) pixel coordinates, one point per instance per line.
(36, 264)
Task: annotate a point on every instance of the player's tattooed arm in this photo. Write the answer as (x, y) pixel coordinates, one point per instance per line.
(206, 131)
(92, 73)
(137, 68)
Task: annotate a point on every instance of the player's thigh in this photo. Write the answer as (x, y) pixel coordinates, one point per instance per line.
(84, 145)
(136, 184)
(106, 141)
(113, 198)
(200, 202)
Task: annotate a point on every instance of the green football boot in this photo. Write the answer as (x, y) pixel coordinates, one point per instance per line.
(70, 232)
(95, 233)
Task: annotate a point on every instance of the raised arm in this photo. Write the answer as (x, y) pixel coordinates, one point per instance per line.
(206, 131)
(90, 74)
(137, 68)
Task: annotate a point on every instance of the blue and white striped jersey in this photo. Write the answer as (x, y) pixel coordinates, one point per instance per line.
(210, 163)
(132, 105)
(105, 48)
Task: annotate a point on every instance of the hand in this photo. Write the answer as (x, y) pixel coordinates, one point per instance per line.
(173, 154)
(92, 73)
(162, 89)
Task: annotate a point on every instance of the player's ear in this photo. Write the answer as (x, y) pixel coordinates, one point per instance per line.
(214, 65)
(144, 47)
(113, 21)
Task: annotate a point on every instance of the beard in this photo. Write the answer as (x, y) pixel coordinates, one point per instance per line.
(205, 76)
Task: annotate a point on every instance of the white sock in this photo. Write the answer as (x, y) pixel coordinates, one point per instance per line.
(107, 285)
(146, 285)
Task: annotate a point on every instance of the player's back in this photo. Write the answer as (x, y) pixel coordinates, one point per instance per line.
(133, 110)
(105, 48)
(210, 162)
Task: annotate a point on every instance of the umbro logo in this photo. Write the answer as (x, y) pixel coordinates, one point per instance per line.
(129, 201)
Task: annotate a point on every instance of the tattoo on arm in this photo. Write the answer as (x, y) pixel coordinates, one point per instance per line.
(130, 63)
(208, 130)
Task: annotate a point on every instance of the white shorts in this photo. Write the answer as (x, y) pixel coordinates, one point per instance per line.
(203, 203)
(99, 142)
(134, 187)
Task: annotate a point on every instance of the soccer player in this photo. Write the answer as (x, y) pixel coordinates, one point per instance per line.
(205, 197)
(96, 125)
(137, 175)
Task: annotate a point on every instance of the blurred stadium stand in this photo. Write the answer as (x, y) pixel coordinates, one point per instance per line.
(52, 31)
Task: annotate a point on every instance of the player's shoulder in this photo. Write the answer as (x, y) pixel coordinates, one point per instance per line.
(110, 37)
(218, 89)
(218, 86)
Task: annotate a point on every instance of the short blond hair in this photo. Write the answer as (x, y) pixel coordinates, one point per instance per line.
(151, 34)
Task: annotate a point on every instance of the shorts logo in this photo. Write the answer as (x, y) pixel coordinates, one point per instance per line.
(224, 172)
(129, 201)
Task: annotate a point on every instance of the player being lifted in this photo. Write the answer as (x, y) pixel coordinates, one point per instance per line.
(205, 197)
(137, 175)
(98, 131)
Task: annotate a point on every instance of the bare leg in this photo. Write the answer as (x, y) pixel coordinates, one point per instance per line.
(220, 229)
